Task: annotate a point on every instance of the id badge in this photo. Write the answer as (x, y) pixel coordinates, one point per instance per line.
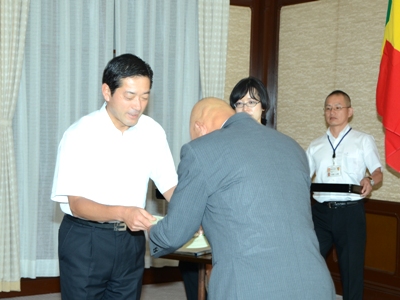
(333, 171)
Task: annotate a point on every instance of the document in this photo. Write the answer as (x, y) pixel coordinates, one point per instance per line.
(197, 245)
(158, 218)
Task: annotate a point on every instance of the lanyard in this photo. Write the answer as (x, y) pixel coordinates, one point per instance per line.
(334, 148)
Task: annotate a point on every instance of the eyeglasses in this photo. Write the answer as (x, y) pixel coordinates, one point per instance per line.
(334, 108)
(250, 103)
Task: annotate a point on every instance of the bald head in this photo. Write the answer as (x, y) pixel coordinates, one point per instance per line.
(208, 115)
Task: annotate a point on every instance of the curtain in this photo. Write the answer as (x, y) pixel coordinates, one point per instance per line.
(165, 35)
(13, 16)
(68, 44)
(213, 40)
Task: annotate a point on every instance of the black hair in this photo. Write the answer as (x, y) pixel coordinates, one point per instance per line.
(340, 92)
(256, 90)
(123, 66)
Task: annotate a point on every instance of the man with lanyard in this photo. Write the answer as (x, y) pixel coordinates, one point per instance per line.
(104, 164)
(341, 156)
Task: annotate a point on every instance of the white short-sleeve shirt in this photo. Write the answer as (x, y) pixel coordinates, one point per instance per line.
(97, 161)
(356, 152)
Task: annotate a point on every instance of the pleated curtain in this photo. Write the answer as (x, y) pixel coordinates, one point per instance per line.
(165, 35)
(13, 16)
(68, 44)
(213, 41)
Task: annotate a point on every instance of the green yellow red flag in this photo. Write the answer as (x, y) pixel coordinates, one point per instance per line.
(388, 87)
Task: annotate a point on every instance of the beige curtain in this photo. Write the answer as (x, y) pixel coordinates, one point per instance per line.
(13, 16)
(169, 43)
(213, 41)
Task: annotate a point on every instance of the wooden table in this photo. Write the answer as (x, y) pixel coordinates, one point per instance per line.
(202, 261)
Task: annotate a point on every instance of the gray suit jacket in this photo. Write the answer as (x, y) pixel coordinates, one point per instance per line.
(248, 186)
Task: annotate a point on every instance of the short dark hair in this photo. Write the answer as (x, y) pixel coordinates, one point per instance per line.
(123, 66)
(256, 90)
(340, 92)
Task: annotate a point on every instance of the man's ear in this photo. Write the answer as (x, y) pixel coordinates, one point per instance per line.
(105, 89)
(200, 128)
(350, 112)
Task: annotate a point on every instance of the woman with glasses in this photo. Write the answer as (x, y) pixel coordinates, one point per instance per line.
(250, 95)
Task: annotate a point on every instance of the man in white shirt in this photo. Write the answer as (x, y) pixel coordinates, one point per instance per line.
(342, 156)
(104, 164)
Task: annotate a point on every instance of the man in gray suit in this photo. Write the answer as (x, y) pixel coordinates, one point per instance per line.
(248, 186)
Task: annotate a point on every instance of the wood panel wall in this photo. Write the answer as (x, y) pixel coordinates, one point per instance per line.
(264, 44)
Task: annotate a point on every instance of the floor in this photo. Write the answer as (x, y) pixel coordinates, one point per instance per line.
(162, 291)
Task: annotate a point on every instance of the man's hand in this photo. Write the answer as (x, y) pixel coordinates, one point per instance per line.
(134, 217)
(199, 232)
(366, 187)
(137, 218)
(377, 177)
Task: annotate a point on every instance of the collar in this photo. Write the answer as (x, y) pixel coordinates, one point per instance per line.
(341, 134)
(236, 117)
(106, 117)
(109, 123)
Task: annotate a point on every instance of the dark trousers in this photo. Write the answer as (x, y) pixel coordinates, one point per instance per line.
(97, 263)
(190, 276)
(344, 227)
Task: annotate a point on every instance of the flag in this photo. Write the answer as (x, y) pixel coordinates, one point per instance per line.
(388, 87)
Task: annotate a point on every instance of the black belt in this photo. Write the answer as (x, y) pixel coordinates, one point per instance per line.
(341, 204)
(336, 188)
(117, 226)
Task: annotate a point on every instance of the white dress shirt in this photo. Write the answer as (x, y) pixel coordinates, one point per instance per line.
(97, 161)
(356, 152)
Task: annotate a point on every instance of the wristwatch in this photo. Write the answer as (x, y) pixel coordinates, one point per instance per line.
(371, 181)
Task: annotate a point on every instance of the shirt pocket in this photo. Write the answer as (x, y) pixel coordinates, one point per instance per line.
(352, 163)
